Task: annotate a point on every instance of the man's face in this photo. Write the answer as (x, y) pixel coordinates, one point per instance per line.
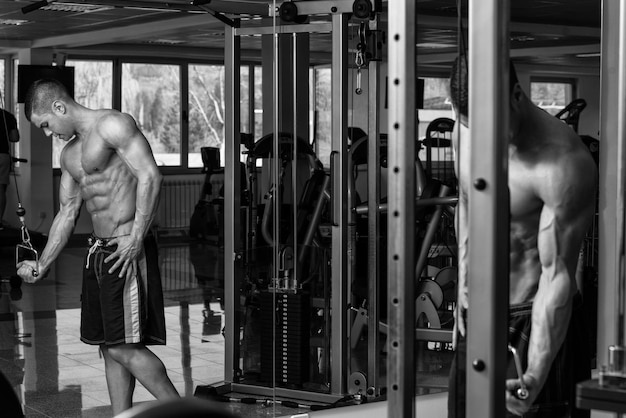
(53, 125)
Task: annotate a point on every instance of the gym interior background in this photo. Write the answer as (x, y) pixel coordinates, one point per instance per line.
(273, 248)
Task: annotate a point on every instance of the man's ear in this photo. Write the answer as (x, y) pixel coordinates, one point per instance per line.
(58, 107)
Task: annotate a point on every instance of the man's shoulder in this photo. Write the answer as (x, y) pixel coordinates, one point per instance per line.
(562, 148)
(110, 116)
(575, 155)
(566, 169)
(113, 124)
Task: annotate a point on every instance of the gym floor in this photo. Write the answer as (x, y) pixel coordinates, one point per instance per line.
(56, 375)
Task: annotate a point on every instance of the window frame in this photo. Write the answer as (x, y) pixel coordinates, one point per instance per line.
(573, 82)
(183, 65)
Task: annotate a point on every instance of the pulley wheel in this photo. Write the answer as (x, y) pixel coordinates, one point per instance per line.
(357, 383)
(432, 289)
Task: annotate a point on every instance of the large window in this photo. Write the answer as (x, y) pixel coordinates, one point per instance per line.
(551, 95)
(206, 110)
(93, 86)
(206, 107)
(151, 94)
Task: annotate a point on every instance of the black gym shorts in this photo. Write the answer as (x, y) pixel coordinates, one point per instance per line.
(117, 310)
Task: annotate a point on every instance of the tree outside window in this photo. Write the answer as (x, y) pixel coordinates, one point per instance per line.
(151, 94)
(551, 96)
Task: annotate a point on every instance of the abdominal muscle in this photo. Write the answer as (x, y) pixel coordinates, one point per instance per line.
(110, 199)
(524, 265)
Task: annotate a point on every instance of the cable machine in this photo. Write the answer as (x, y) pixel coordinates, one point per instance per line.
(281, 290)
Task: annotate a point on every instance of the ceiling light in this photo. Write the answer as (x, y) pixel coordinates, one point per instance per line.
(75, 7)
(13, 22)
(434, 45)
(522, 38)
(165, 42)
(588, 55)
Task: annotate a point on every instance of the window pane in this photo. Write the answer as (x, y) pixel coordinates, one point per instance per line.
(151, 94)
(2, 85)
(206, 110)
(16, 106)
(323, 114)
(437, 104)
(436, 95)
(244, 84)
(551, 96)
(258, 102)
(93, 84)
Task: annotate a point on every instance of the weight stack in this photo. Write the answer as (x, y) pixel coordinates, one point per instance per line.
(285, 334)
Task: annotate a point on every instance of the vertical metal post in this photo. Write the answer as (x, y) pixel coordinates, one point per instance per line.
(401, 196)
(232, 204)
(373, 224)
(610, 119)
(294, 161)
(340, 173)
(488, 207)
(621, 180)
(184, 111)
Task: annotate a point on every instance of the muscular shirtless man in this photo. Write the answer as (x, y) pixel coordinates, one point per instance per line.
(108, 164)
(552, 185)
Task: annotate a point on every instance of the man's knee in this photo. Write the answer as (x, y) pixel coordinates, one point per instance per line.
(122, 353)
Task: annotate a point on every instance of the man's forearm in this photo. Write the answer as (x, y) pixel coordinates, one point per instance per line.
(551, 314)
(59, 234)
(146, 205)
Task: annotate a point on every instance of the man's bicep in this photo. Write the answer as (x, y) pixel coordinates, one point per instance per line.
(565, 219)
(138, 156)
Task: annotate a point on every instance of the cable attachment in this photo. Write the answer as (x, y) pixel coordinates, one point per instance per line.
(362, 58)
(521, 392)
(20, 212)
(25, 250)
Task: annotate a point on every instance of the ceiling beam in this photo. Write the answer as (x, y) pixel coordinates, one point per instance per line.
(444, 22)
(127, 33)
(238, 7)
(447, 57)
(13, 46)
(222, 6)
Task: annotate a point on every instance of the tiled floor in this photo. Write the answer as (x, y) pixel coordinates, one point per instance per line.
(56, 375)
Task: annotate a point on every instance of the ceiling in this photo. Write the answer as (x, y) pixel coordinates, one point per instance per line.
(554, 32)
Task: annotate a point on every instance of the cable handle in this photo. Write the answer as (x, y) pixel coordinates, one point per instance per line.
(26, 243)
(522, 391)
